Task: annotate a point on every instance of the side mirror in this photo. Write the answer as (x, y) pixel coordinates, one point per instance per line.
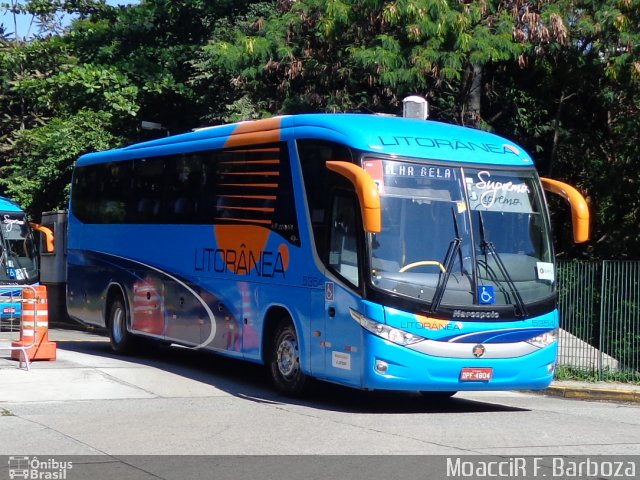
(579, 207)
(367, 192)
(49, 243)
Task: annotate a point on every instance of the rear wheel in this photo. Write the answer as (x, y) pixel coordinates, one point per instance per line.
(284, 363)
(121, 340)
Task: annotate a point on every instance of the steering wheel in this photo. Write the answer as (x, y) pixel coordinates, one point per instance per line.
(423, 263)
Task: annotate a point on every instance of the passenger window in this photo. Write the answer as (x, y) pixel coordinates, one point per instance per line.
(343, 254)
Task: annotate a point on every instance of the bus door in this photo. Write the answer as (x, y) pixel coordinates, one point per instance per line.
(318, 320)
(343, 336)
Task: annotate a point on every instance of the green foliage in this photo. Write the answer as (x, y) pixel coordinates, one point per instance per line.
(567, 372)
(89, 88)
(81, 87)
(55, 110)
(48, 16)
(23, 63)
(358, 55)
(39, 173)
(561, 78)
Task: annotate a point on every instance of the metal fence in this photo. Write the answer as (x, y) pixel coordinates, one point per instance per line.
(600, 319)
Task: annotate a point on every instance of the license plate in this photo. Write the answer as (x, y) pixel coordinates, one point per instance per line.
(476, 374)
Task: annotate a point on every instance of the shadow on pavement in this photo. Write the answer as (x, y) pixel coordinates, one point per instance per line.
(250, 381)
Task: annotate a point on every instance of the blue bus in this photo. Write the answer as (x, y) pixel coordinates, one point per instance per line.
(18, 258)
(370, 251)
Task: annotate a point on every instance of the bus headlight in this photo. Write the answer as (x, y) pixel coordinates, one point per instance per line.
(545, 339)
(384, 331)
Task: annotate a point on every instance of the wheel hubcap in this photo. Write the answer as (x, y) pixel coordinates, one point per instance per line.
(287, 356)
(117, 325)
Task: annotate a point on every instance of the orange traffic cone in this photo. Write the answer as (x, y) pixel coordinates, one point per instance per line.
(34, 325)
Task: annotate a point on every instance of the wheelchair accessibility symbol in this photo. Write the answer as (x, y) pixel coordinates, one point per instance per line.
(485, 295)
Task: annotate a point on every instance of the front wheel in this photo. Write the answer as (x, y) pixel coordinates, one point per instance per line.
(284, 363)
(120, 338)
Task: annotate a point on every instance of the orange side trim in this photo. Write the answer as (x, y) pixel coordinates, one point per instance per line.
(266, 173)
(257, 162)
(263, 185)
(48, 236)
(579, 207)
(254, 150)
(367, 192)
(252, 197)
(245, 220)
(252, 209)
(255, 132)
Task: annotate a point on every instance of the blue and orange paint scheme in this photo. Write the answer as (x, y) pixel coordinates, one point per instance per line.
(216, 285)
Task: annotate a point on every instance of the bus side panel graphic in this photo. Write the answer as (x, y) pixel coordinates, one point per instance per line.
(163, 305)
(242, 249)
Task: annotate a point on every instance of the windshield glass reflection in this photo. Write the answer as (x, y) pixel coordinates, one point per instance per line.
(460, 237)
(18, 260)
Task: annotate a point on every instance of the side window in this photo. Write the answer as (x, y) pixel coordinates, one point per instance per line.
(184, 177)
(101, 192)
(241, 186)
(251, 186)
(343, 238)
(319, 182)
(148, 188)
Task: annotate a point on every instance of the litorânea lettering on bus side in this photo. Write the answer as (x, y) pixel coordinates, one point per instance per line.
(447, 144)
(432, 324)
(262, 263)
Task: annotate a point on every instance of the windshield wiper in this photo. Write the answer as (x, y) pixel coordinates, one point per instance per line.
(454, 247)
(490, 248)
(6, 251)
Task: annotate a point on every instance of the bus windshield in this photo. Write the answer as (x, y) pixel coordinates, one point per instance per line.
(18, 261)
(461, 236)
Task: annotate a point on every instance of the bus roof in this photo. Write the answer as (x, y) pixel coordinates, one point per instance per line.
(374, 133)
(7, 205)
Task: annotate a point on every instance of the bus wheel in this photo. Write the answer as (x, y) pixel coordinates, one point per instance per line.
(285, 361)
(121, 339)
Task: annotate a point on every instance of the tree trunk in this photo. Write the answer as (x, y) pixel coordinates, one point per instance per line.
(556, 131)
(471, 111)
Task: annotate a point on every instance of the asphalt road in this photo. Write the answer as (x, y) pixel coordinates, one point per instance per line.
(173, 401)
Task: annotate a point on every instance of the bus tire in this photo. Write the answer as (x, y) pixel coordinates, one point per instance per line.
(284, 362)
(120, 338)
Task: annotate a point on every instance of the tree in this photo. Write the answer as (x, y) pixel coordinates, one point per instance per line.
(560, 77)
(61, 111)
(111, 69)
(55, 108)
(363, 55)
(579, 107)
(38, 176)
(153, 44)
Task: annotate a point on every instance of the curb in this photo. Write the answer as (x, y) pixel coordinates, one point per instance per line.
(593, 393)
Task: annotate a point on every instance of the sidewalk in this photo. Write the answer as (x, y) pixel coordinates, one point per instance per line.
(74, 362)
(612, 392)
